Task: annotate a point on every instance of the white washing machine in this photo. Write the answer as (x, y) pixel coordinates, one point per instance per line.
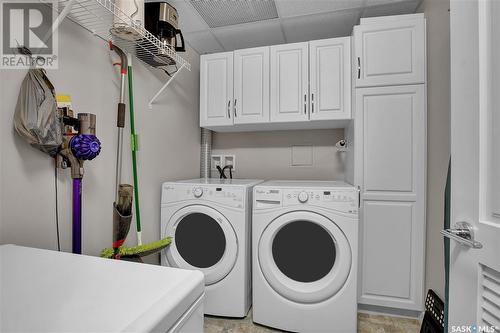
(210, 222)
(304, 250)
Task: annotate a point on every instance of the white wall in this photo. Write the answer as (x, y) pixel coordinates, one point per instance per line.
(268, 155)
(169, 147)
(438, 134)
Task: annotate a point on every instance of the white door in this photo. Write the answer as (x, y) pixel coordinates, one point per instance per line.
(330, 78)
(391, 140)
(216, 89)
(474, 286)
(289, 82)
(390, 52)
(251, 86)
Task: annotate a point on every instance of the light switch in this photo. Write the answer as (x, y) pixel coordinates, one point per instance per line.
(302, 155)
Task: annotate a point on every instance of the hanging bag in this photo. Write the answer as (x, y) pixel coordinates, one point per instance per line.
(36, 119)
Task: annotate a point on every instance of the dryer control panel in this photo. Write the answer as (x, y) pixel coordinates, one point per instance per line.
(224, 195)
(344, 200)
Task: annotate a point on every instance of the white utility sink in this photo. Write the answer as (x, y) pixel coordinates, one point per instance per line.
(48, 291)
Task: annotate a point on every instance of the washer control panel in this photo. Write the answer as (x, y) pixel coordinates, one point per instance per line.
(344, 200)
(225, 195)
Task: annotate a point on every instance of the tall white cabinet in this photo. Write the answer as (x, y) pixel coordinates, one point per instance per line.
(390, 50)
(390, 146)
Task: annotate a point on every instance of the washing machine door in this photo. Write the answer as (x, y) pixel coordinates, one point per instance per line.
(304, 256)
(203, 239)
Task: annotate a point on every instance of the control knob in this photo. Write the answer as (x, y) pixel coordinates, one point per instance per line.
(198, 192)
(303, 196)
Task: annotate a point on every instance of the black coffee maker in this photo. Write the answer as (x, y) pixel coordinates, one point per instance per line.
(162, 20)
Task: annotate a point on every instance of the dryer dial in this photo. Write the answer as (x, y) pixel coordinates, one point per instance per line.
(303, 196)
(197, 192)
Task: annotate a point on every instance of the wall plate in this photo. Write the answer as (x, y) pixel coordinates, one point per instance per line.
(230, 160)
(216, 160)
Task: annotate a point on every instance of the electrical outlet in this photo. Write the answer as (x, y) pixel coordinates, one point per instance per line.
(216, 161)
(223, 161)
(230, 160)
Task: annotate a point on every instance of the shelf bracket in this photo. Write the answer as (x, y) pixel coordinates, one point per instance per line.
(62, 15)
(150, 104)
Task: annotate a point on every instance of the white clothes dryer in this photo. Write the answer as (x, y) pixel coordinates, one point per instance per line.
(210, 222)
(304, 254)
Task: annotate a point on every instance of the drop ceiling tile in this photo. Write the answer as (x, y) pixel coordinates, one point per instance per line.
(250, 35)
(397, 8)
(319, 26)
(290, 8)
(189, 19)
(203, 42)
(225, 13)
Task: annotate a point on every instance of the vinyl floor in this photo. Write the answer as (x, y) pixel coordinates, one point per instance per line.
(367, 323)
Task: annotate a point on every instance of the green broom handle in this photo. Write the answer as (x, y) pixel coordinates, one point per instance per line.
(133, 144)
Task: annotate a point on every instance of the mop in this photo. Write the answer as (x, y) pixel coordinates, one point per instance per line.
(122, 207)
(134, 147)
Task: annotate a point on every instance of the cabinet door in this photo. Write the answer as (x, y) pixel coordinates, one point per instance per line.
(216, 89)
(391, 135)
(390, 52)
(251, 85)
(330, 78)
(289, 82)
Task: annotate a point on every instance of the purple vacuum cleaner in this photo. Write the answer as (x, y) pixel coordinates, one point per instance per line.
(50, 130)
(82, 147)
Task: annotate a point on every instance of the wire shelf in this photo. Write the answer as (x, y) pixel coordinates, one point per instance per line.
(104, 19)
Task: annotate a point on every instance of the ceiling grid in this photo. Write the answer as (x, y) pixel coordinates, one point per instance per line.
(211, 26)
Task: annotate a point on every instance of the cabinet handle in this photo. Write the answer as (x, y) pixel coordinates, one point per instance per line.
(305, 103)
(359, 68)
(235, 100)
(312, 103)
(229, 109)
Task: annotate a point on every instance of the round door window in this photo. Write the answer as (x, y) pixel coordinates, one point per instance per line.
(304, 251)
(200, 240)
(304, 256)
(204, 240)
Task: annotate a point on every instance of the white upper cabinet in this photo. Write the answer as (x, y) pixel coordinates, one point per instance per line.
(216, 89)
(251, 86)
(290, 86)
(289, 82)
(389, 52)
(330, 78)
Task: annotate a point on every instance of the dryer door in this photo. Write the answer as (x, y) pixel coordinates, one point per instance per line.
(304, 256)
(203, 239)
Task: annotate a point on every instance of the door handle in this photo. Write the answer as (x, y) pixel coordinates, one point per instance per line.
(359, 68)
(312, 103)
(305, 103)
(229, 109)
(235, 107)
(463, 233)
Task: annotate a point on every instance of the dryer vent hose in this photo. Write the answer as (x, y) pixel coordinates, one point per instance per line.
(205, 153)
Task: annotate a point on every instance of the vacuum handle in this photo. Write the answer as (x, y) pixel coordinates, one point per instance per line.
(181, 48)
